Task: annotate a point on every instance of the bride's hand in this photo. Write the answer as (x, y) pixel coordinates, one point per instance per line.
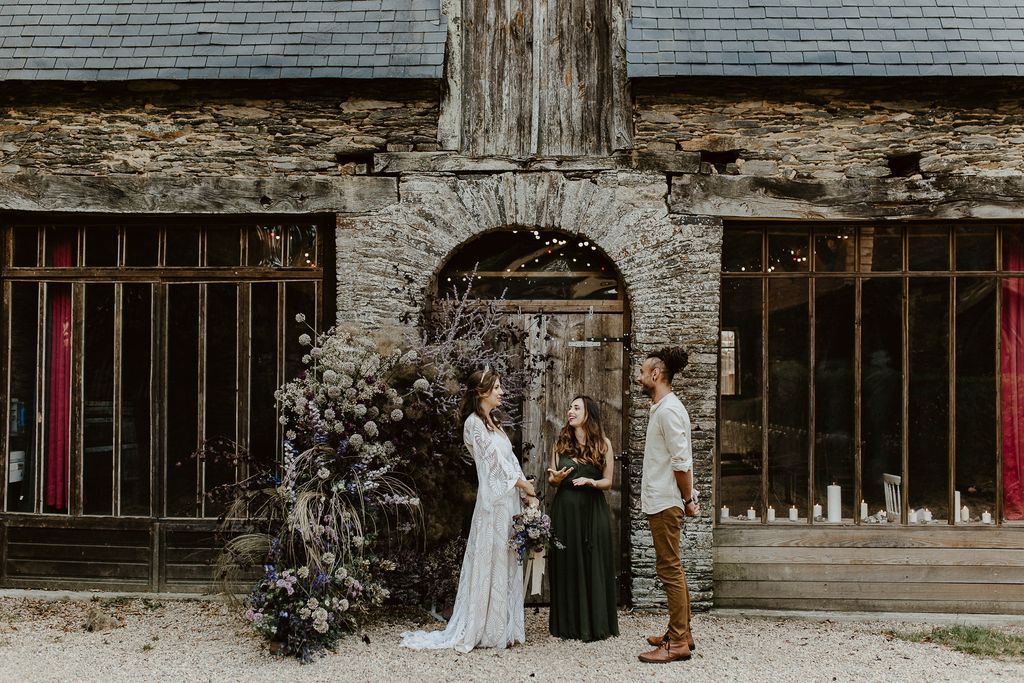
(556, 476)
(533, 501)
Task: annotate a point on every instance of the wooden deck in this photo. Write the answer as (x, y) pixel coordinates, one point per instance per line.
(933, 569)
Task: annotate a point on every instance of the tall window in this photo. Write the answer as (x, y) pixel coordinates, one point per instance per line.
(879, 365)
(127, 346)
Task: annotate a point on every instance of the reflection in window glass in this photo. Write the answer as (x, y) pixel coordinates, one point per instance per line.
(928, 247)
(302, 246)
(741, 251)
(98, 395)
(881, 388)
(881, 249)
(834, 446)
(788, 363)
(101, 246)
(729, 380)
(976, 431)
(136, 369)
(788, 250)
(975, 248)
(740, 436)
(835, 250)
(182, 398)
(21, 467)
(263, 380)
(221, 391)
(928, 406)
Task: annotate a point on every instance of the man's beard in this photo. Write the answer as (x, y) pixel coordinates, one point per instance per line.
(648, 390)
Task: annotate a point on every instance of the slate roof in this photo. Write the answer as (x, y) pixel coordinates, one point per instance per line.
(120, 40)
(826, 37)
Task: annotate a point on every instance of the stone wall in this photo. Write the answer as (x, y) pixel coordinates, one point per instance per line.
(834, 128)
(670, 265)
(255, 129)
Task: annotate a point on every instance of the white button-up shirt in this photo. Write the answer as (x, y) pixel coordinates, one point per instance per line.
(667, 451)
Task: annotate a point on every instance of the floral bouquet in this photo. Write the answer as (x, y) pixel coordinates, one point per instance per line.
(531, 536)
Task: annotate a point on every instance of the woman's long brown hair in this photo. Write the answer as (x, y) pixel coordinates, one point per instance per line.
(593, 451)
(479, 385)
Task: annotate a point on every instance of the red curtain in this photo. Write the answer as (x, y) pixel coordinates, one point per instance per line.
(59, 404)
(1012, 362)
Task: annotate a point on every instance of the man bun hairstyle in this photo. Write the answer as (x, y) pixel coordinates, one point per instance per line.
(674, 358)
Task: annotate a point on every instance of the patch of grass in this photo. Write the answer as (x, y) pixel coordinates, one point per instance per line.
(147, 647)
(973, 640)
(119, 601)
(151, 604)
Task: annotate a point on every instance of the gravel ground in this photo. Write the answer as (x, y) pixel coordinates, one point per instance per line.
(206, 641)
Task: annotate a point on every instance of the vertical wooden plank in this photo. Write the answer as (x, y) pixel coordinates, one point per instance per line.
(622, 100)
(118, 346)
(244, 346)
(40, 407)
(158, 437)
(905, 383)
(951, 353)
(576, 94)
(858, 444)
(77, 398)
(5, 388)
(497, 72)
(764, 401)
(812, 483)
(200, 486)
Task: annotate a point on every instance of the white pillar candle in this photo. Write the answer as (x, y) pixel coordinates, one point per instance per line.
(835, 503)
(965, 514)
(725, 512)
(751, 514)
(794, 515)
(771, 514)
(817, 510)
(927, 515)
(986, 518)
(912, 517)
(863, 510)
(956, 506)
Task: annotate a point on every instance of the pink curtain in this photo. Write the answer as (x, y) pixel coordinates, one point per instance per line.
(1012, 362)
(59, 403)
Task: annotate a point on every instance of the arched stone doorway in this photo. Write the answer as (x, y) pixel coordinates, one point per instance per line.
(568, 298)
(669, 264)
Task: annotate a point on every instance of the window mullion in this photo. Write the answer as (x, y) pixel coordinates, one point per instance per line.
(118, 351)
(201, 394)
(811, 474)
(76, 442)
(242, 356)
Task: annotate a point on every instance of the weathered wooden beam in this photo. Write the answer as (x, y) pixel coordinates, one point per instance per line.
(449, 162)
(947, 197)
(165, 194)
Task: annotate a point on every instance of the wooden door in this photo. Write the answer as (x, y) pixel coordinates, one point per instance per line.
(586, 356)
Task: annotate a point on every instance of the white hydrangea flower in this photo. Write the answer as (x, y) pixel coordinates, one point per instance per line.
(397, 415)
(290, 435)
(303, 572)
(359, 410)
(339, 427)
(316, 352)
(351, 393)
(300, 317)
(333, 392)
(330, 377)
(305, 339)
(421, 385)
(328, 558)
(329, 414)
(323, 473)
(341, 573)
(343, 605)
(356, 441)
(306, 359)
(348, 368)
(370, 429)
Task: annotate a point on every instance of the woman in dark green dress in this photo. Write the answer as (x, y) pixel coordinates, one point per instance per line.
(582, 574)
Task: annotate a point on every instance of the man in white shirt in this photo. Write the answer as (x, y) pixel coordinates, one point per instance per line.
(666, 494)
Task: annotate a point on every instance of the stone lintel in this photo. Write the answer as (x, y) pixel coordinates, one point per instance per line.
(173, 194)
(451, 162)
(945, 197)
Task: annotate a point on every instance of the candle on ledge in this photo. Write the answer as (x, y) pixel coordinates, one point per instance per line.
(927, 515)
(817, 510)
(986, 518)
(863, 510)
(965, 514)
(912, 517)
(956, 506)
(751, 514)
(835, 506)
(725, 512)
(771, 514)
(794, 515)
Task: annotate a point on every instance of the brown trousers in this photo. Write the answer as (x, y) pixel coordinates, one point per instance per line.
(665, 528)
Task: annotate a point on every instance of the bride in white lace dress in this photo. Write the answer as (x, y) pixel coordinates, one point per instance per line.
(489, 603)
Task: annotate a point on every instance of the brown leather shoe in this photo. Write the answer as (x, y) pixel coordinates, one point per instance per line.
(668, 652)
(655, 641)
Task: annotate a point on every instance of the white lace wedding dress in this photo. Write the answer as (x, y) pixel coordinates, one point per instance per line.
(489, 604)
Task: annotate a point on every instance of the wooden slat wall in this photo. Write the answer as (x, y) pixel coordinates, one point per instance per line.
(934, 569)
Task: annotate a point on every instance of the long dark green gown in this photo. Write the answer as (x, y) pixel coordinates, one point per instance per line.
(582, 574)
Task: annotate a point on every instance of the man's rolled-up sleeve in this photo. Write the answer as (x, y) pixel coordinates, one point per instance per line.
(676, 428)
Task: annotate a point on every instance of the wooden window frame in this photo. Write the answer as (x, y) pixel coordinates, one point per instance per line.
(160, 277)
(999, 274)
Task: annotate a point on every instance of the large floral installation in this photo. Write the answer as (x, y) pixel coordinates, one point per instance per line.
(371, 428)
